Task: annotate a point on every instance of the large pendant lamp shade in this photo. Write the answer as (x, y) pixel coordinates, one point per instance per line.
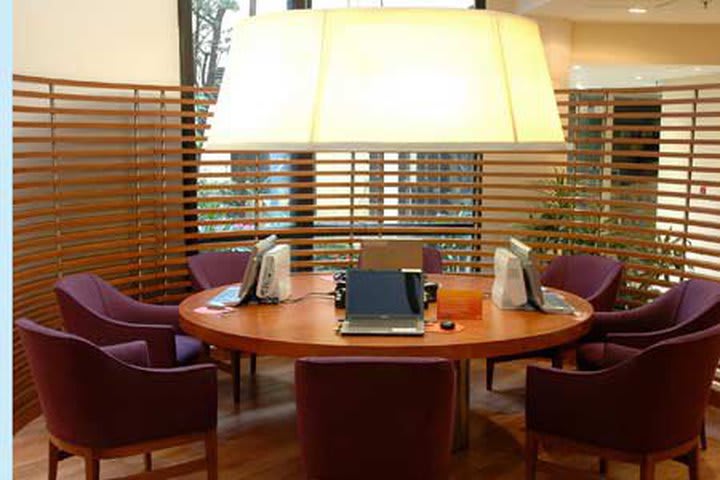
(421, 80)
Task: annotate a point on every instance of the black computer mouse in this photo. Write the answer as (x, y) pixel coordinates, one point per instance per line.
(447, 325)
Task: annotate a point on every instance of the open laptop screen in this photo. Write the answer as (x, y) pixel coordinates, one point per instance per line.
(383, 292)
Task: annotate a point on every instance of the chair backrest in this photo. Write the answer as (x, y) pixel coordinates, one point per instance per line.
(86, 289)
(67, 371)
(699, 303)
(213, 269)
(592, 277)
(83, 297)
(670, 386)
(432, 260)
(361, 418)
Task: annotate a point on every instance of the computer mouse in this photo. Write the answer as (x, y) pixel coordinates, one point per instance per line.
(447, 325)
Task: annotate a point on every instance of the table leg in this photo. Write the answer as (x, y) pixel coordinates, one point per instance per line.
(461, 433)
(235, 360)
(253, 364)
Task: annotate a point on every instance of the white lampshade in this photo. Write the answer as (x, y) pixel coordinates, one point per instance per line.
(421, 80)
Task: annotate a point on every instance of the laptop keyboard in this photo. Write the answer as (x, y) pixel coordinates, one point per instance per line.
(229, 296)
(556, 303)
(372, 325)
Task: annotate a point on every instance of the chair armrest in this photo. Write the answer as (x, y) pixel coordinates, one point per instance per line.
(134, 311)
(549, 389)
(126, 309)
(649, 317)
(578, 405)
(644, 340)
(182, 389)
(160, 339)
(135, 353)
(135, 404)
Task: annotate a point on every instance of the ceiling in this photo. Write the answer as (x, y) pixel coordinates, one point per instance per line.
(658, 11)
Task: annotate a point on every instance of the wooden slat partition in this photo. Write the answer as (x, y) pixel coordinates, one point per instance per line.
(112, 178)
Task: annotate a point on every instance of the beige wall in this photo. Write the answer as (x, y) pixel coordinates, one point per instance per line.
(121, 41)
(586, 43)
(501, 5)
(637, 44)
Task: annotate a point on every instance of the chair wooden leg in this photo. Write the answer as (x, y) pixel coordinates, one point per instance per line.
(148, 461)
(53, 459)
(489, 374)
(603, 466)
(531, 452)
(693, 463)
(211, 455)
(647, 469)
(92, 468)
(703, 436)
(235, 360)
(253, 364)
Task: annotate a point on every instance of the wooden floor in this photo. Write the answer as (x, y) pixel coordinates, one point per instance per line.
(257, 440)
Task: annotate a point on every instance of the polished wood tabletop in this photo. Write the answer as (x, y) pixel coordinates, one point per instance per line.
(308, 327)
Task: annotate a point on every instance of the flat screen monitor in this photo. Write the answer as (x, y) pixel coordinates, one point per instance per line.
(253, 267)
(376, 293)
(533, 287)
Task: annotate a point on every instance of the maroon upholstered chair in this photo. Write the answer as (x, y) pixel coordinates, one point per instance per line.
(215, 269)
(96, 311)
(99, 404)
(592, 277)
(644, 410)
(432, 260)
(361, 418)
(690, 306)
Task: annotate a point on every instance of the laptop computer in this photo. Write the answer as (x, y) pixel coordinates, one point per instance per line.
(391, 254)
(384, 302)
(538, 297)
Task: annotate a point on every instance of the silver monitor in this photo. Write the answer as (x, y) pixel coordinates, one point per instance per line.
(533, 286)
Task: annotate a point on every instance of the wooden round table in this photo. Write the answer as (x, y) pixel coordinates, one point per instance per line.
(308, 327)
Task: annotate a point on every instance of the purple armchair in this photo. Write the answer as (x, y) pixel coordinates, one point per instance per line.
(690, 306)
(361, 418)
(96, 311)
(215, 269)
(592, 277)
(630, 412)
(98, 403)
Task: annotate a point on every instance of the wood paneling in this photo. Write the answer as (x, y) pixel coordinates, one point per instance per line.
(112, 178)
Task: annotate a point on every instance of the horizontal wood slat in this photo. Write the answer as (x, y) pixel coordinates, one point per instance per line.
(113, 113)
(112, 178)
